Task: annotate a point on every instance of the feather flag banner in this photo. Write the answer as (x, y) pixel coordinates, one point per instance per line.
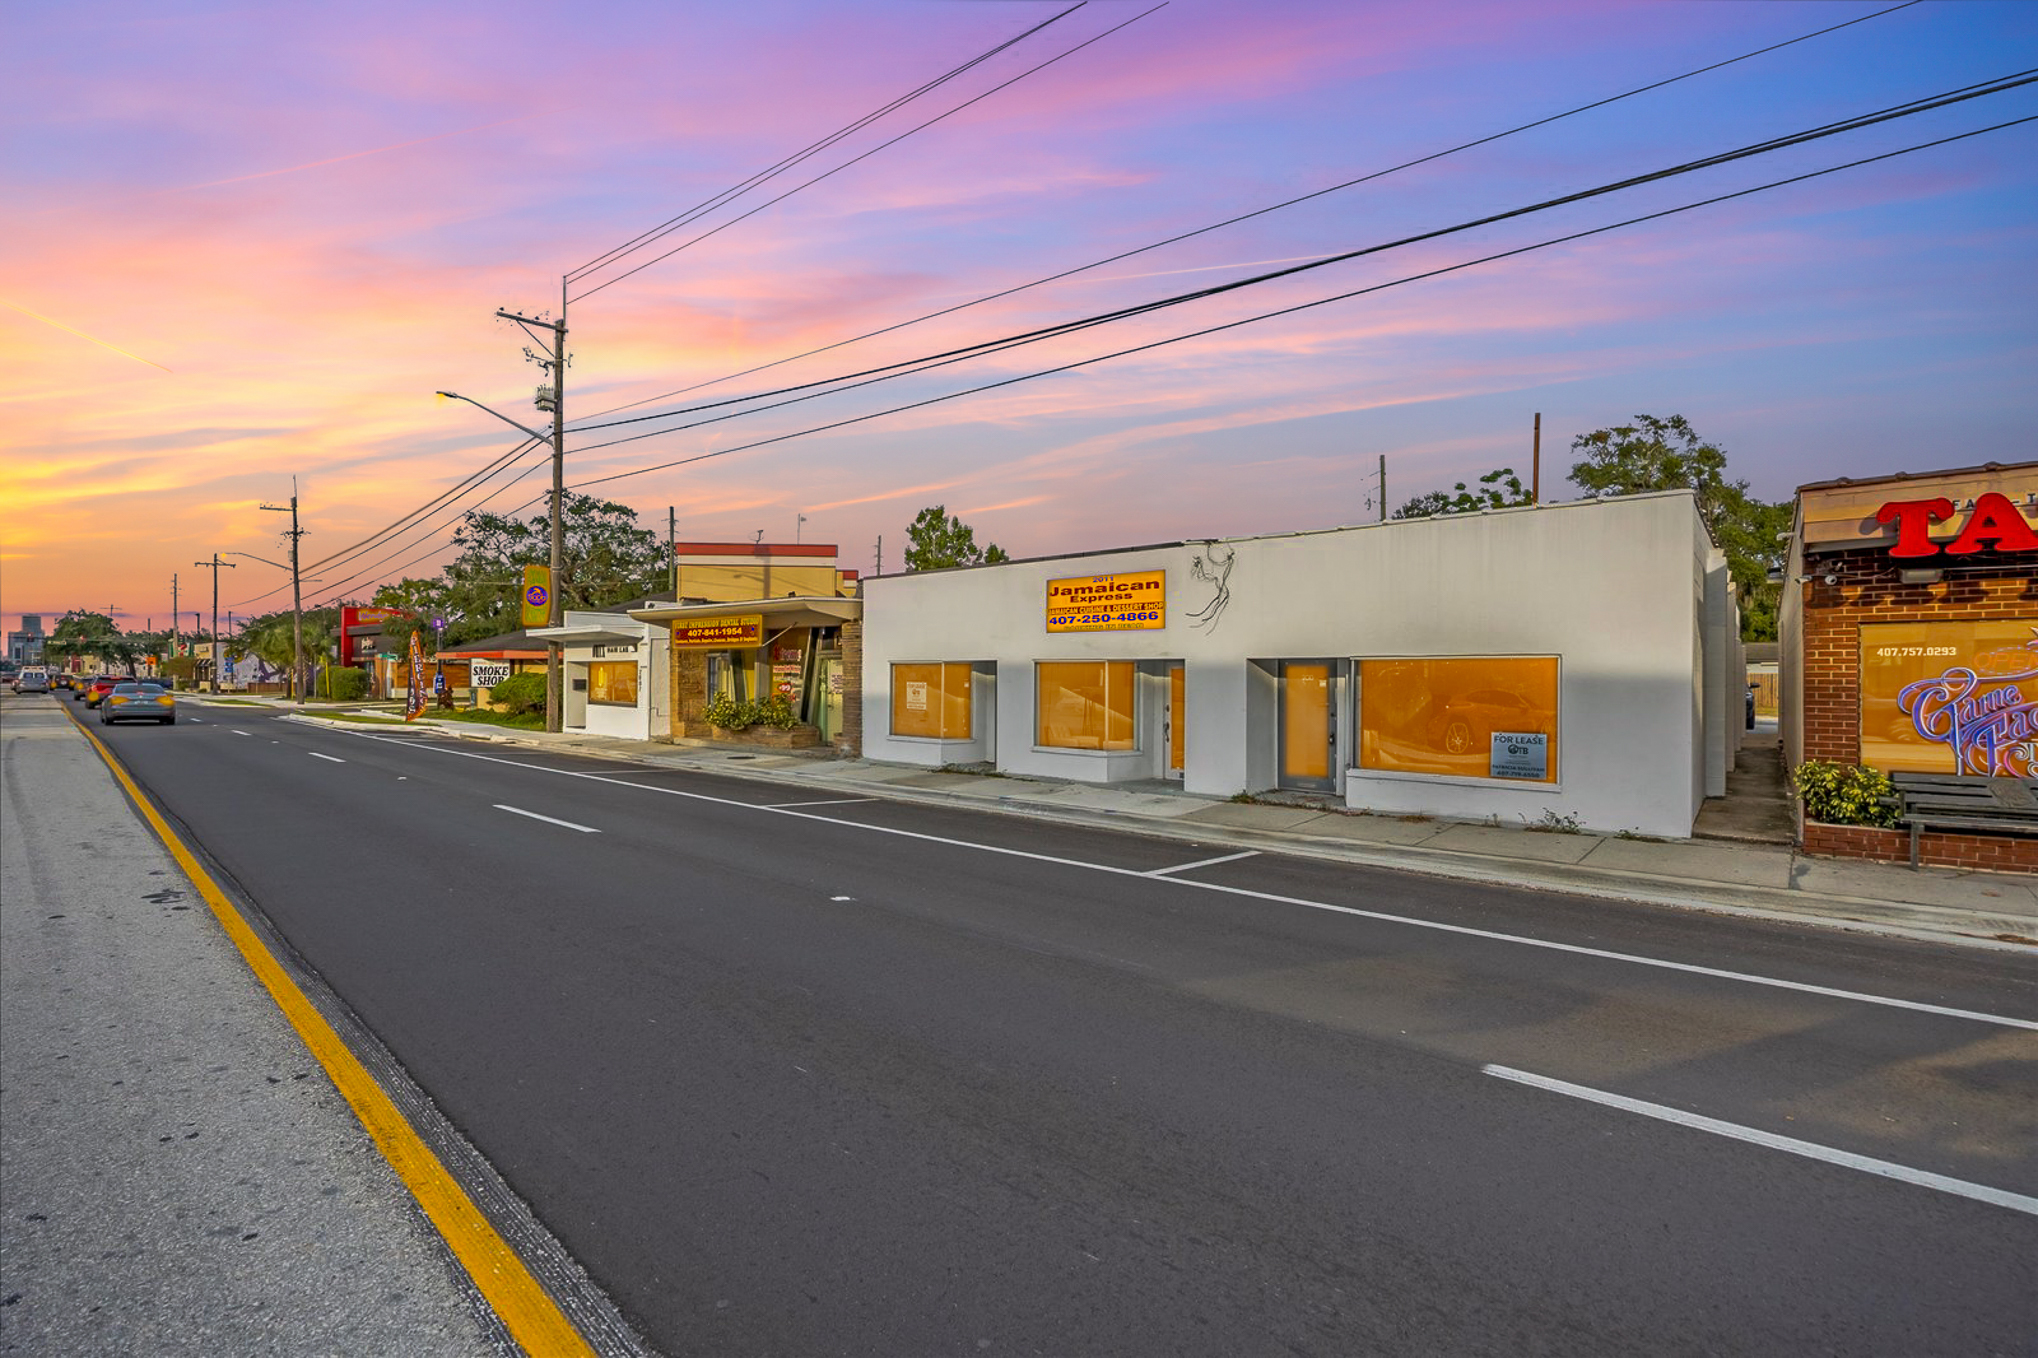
(414, 696)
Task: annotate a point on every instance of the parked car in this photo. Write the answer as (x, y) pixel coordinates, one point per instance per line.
(138, 702)
(1466, 722)
(101, 685)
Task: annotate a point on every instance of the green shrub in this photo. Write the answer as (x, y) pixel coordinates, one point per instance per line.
(519, 694)
(342, 682)
(1845, 794)
(775, 711)
(730, 715)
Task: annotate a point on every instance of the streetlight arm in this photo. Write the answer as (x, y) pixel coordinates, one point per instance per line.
(456, 396)
(252, 557)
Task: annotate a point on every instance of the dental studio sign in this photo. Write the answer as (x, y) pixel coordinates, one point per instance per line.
(1951, 697)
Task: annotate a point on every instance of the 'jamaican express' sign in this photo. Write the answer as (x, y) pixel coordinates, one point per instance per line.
(1134, 602)
(720, 634)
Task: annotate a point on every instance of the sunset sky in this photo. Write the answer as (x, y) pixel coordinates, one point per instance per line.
(244, 242)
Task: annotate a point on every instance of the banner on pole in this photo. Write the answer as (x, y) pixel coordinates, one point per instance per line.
(414, 696)
(537, 596)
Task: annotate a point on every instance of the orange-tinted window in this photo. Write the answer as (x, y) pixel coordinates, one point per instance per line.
(1441, 716)
(1951, 697)
(1178, 717)
(931, 701)
(1305, 720)
(1085, 704)
(612, 683)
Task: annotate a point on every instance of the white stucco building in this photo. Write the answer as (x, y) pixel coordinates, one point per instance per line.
(1575, 660)
(616, 674)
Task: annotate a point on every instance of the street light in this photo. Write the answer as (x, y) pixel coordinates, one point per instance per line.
(554, 702)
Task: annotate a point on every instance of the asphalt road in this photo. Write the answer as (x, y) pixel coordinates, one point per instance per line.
(863, 1077)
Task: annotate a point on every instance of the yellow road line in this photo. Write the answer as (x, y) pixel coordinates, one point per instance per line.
(526, 1310)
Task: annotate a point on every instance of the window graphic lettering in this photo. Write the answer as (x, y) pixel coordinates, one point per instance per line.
(1953, 697)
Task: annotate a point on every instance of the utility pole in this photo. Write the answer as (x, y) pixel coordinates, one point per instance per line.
(1536, 465)
(556, 397)
(880, 554)
(215, 563)
(1383, 488)
(296, 599)
(672, 546)
(797, 526)
(173, 616)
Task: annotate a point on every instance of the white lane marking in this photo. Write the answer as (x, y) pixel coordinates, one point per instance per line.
(1996, 1197)
(328, 758)
(1689, 968)
(842, 898)
(549, 820)
(839, 801)
(236, 730)
(1202, 863)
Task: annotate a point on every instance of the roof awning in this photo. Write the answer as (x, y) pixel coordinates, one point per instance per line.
(793, 611)
(591, 634)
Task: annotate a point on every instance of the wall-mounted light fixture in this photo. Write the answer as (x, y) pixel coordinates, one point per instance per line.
(1921, 577)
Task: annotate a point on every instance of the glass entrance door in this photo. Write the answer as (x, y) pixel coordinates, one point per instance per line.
(1308, 731)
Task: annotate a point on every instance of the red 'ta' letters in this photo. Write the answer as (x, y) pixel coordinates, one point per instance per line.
(1994, 519)
(1914, 520)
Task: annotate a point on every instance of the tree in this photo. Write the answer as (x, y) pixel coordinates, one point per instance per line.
(79, 633)
(1498, 489)
(272, 639)
(937, 538)
(1667, 454)
(607, 560)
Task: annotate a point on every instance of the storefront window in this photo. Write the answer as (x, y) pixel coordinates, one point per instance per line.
(931, 701)
(1951, 697)
(1486, 717)
(1085, 704)
(612, 683)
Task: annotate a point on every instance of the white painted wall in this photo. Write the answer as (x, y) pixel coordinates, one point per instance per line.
(1616, 588)
(652, 715)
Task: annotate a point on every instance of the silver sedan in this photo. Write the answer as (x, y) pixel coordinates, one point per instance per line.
(138, 702)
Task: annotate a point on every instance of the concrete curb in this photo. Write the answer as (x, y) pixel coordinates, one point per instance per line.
(1917, 922)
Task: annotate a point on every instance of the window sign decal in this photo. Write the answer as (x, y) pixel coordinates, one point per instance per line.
(1953, 697)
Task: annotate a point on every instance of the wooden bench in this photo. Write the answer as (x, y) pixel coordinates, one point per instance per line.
(1965, 805)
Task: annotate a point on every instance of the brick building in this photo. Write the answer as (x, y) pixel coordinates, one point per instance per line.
(1909, 638)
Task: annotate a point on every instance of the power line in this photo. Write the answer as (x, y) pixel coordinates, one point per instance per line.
(812, 149)
(373, 569)
(493, 469)
(1232, 221)
(1323, 301)
(907, 367)
(868, 154)
(365, 543)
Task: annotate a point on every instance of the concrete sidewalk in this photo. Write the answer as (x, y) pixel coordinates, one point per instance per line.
(1976, 909)
(180, 1176)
